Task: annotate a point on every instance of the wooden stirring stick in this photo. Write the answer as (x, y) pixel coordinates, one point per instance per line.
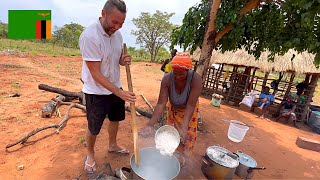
(133, 113)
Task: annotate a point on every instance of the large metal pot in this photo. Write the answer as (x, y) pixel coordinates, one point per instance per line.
(219, 163)
(247, 166)
(153, 165)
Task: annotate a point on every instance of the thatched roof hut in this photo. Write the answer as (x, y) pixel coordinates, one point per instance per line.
(242, 77)
(302, 63)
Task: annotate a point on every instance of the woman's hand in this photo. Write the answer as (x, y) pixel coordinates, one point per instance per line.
(147, 131)
(184, 136)
(183, 131)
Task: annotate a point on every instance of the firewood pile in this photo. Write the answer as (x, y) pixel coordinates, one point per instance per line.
(70, 99)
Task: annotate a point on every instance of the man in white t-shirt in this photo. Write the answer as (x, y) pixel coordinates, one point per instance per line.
(101, 48)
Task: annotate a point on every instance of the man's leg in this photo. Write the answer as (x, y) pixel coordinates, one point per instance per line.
(90, 140)
(279, 117)
(294, 119)
(113, 131)
(116, 114)
(265, 111)
(95, 117)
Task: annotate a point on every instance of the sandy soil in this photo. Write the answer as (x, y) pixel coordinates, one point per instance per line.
(60, 156)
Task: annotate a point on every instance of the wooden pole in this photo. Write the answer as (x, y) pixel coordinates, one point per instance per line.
(247, 78)
(287, 91)
(289, 85)
(234, 70)
(145, 99)
(252, 79)
(218, 78)
(266, 75)
(311, 88)
(133, 113)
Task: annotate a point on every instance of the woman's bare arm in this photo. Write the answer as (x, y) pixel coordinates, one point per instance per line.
(162, 100)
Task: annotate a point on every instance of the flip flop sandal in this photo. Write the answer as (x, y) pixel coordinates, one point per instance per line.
(123, 152)
(88, 165)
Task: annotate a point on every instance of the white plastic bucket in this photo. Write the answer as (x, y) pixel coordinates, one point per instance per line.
(236, 132)
(216, 100)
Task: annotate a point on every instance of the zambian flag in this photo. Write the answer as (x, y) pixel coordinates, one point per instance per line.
(29, 24)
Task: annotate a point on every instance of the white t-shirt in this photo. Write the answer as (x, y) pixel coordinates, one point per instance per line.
(96, 45)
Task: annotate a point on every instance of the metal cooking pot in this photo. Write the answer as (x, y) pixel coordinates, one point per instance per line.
(247, 166)
(153, 165)
(219, 163)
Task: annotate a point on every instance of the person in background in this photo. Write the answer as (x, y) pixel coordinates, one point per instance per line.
(182, 87)
(265, 101)
(166, 66)
(301, 87)
(288, 110)
(101, 49)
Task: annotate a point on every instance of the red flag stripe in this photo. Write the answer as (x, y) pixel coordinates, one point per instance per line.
(38, 29)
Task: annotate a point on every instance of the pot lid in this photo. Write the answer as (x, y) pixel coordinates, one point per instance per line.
(246, 160)
(222, 156)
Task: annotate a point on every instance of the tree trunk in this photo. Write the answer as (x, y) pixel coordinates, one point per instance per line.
(212, 38)
(208, 44)
(310, 93)
(265, 79)
(69, 95)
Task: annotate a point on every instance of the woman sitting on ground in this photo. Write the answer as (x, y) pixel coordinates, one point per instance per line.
(182, 87)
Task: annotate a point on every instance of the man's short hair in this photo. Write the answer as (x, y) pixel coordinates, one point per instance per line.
(119, 4)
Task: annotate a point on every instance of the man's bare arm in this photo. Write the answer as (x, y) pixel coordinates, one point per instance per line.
(94, 68)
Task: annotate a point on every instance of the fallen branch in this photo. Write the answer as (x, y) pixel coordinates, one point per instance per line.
(58, 127)
(129, 110)
(145, 99)
(144, 113)
(140, 112)
(23, 140)
(51, 107)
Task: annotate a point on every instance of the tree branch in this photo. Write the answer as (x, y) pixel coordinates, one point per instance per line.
(246, 9)
(58, 127)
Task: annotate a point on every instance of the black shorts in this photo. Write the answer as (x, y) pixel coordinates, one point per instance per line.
(98, 107)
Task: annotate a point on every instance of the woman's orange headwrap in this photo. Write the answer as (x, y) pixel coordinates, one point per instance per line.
(181, 61)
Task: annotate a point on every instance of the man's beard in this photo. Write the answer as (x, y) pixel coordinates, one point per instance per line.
(108, 29)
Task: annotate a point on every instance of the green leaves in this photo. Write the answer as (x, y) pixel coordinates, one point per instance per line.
(191, 33)
(274, 26)
(153, 31)
(68, 35)
(3, 30)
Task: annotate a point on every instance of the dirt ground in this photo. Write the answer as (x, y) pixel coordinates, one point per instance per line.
(61, 156)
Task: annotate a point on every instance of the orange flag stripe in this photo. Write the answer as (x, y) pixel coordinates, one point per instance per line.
(48, 29)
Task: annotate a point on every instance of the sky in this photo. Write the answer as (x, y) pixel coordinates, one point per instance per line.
(85, 12)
